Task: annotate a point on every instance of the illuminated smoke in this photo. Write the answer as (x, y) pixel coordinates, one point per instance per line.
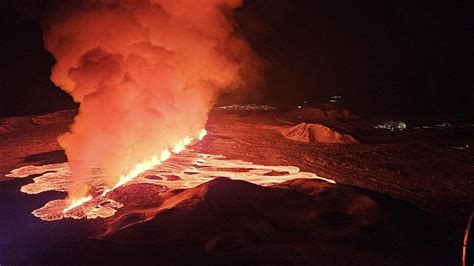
(146, 73)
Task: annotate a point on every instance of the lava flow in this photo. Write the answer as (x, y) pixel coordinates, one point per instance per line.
(77, 202)
(140, 168)
(183, 170)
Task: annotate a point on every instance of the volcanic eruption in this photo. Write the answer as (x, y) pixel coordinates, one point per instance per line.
(355, 150)
(146, 73)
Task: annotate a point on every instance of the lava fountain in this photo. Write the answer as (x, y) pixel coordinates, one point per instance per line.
(146, 74)
(139, 168)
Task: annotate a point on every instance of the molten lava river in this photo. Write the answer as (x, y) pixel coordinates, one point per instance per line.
(181, 168)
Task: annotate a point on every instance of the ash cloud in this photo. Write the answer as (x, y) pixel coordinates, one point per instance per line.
(145, 72)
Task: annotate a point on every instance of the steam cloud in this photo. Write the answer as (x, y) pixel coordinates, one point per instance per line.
(146, 74)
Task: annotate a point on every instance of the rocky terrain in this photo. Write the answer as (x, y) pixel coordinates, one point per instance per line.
(400, 198)
(305, 132)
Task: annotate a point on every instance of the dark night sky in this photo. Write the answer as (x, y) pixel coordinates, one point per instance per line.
(382, 56)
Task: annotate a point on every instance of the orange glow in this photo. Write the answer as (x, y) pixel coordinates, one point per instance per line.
(191, 169)
(179, 147)
(147, 83)
(77, 202)
(165, 155)
(140, 168)
(202, 134)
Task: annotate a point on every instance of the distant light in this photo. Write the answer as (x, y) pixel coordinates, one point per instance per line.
(299, 106)
(392, 125)
(335, 98)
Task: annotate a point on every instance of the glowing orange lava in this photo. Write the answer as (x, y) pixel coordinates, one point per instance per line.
(77, 202)
(139, 168)
(202, 134)
(185, 170)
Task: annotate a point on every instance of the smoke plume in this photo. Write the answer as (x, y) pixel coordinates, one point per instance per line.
(145, 72)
